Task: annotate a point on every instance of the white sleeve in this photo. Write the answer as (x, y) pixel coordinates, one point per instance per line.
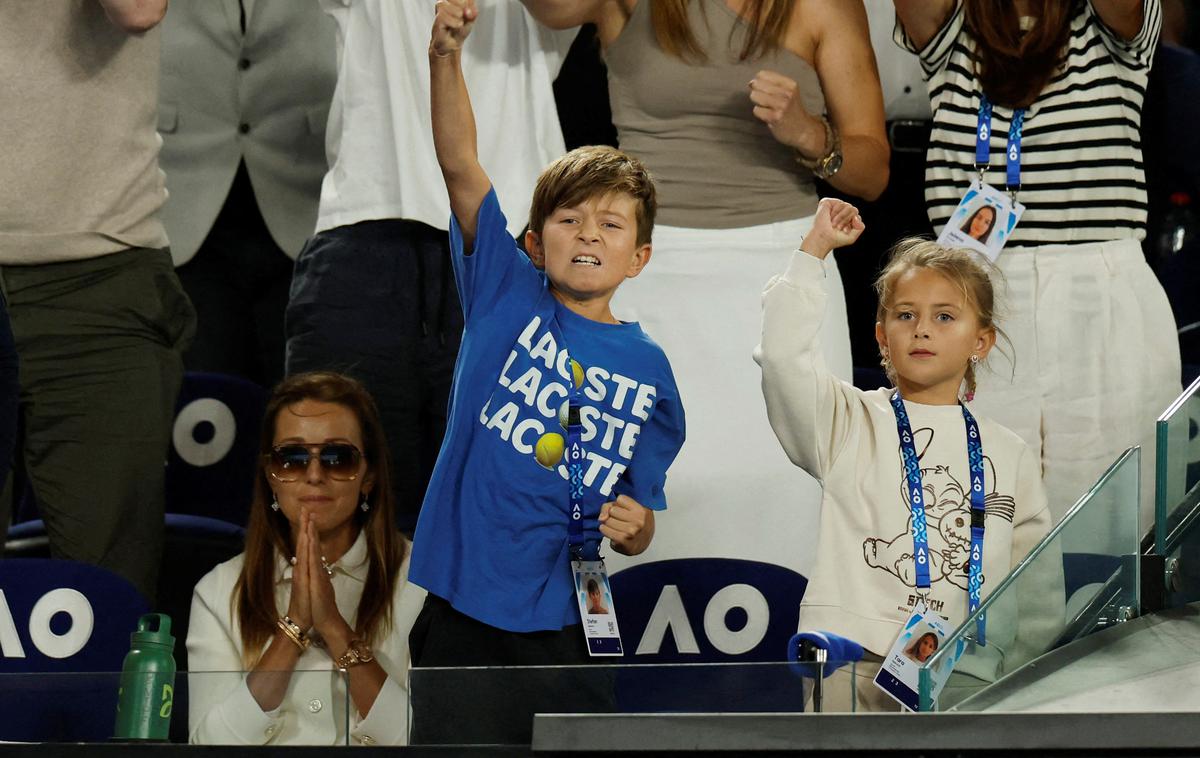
(1136, 53)
(936, 52)
(387, 723)
(221, 710)
(811, 411)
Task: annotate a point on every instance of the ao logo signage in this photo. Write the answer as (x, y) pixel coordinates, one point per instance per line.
(64, 616)
(700, 610)
(59, 625)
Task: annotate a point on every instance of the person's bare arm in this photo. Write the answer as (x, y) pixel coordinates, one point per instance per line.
(1123, 17)
(609, 16)
(134, 16)
(921, 19)
(845, 64)
(454, 136)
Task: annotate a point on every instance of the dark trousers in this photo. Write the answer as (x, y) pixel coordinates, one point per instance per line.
(377, 300)
(99, 343)
(452, 704)
(9, 391)
(238, 281)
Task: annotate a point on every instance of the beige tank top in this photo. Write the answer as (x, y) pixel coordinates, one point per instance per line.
(716, 166)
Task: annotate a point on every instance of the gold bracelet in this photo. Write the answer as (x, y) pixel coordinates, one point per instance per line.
(357, 652)
(830, 162)
(293, 632)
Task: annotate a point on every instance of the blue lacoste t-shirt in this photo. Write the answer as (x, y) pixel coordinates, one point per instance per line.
(492, 535)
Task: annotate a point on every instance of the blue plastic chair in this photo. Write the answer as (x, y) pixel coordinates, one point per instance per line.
(214, 445)
(64, 632)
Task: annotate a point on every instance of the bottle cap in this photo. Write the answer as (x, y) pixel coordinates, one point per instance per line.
(153, 629)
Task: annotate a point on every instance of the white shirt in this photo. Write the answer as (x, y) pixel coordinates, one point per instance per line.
(900, 76)
(316, 709)
(864, 581)
(379, 140)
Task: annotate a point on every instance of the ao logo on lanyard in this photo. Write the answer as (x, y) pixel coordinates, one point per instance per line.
(986, 217)
(912, 473)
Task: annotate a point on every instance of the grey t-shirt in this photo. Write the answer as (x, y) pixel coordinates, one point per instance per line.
(716, 165)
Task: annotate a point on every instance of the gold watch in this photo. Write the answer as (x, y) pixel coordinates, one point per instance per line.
(829, 163)
(356, 652)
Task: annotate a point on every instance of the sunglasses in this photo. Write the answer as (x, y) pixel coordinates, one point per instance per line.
(287, 463)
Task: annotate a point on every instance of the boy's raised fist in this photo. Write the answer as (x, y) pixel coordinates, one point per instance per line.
(451, 26)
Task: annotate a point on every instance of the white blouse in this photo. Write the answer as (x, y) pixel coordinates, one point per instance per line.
(316, 709)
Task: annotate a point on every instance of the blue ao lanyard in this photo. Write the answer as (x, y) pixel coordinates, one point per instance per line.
(920, 535)
(575, 539)
(983, 145)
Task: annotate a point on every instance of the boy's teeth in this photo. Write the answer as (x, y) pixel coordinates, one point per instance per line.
(586, 259)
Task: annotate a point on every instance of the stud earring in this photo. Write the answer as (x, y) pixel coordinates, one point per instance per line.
(974, 360)
(274, 504)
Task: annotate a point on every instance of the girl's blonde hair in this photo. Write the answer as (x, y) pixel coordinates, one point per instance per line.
(968, 271)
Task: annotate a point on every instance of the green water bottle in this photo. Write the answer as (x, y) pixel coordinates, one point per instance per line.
(147, 692)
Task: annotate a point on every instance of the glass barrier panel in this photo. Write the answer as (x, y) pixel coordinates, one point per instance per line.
(208, 708)
(58, 707)
(1177, 496)
(310, 708)
(1177, 468)
(203, 707)
(1081, 578)
(495, 706)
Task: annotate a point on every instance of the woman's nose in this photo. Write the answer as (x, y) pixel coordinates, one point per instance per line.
(314, 472)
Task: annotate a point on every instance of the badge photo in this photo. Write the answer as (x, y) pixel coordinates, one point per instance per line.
(594, 596)
(983, 221)
(923, 635)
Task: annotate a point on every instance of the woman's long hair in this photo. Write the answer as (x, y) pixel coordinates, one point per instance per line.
(766, 22)
(269, 535)
(1012, 66)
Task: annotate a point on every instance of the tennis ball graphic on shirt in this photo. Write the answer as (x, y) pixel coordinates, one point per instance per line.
(549, 449)
(564, 413)
(577, 373)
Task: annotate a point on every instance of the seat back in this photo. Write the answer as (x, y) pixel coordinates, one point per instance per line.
(64, 632)
(214, 442)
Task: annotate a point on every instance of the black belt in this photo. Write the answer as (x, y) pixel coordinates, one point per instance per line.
(909, 136)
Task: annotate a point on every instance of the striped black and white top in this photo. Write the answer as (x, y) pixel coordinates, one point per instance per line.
(1081, 164)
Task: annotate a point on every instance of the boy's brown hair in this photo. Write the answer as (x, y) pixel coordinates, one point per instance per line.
(594, 171)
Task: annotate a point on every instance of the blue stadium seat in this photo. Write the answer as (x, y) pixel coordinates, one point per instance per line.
(214, 444)
(61, 622)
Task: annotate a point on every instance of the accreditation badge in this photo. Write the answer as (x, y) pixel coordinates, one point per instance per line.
(921, 637)
(983, 221)
(594, 595)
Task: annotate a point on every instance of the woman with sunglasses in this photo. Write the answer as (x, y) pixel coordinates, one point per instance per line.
(316, 591)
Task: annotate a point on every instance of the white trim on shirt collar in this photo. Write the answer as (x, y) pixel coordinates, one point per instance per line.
(353, 564)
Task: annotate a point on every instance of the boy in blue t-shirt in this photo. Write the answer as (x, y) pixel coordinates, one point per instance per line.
(491, 545)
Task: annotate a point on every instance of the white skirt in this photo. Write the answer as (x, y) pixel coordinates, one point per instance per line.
(732, 492)
(1094, 360)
